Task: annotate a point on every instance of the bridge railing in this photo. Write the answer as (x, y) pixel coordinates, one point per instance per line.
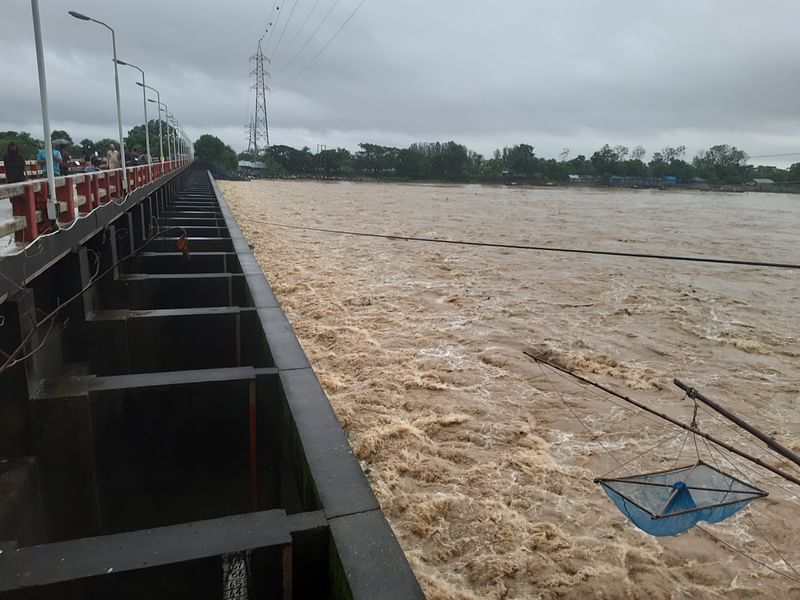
(33, 170)
(79, 193)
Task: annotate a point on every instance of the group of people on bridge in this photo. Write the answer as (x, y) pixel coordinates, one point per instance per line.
(63, 163)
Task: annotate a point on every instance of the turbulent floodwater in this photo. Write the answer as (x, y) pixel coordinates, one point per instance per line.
(484, 462)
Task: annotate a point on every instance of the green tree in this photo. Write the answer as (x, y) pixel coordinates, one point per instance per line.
(492, 168)
(621, 152)
(606, 161)
(376, 160)
(60, 134)
(552, 170)
(579, 166)
(212, 149)
(638, 153)
(28, 146)
(672, 153)
(136, 138)
(474, 163)
(669, 161)
(413, 163)
(634, 168)
(723, 164)
(771, 172)
(85, 148)
(450, 161)
(102, 146)
(520, 160)
(683, 170)
(332, 162)
(271, 168)
(291, 160)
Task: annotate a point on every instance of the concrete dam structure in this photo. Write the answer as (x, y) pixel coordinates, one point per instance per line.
(162, 434)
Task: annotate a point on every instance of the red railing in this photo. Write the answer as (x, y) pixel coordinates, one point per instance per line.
(84, 191)
(32, 169)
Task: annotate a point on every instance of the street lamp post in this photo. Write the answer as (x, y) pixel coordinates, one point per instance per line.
(166, 113)
(48, 144)
(177, 137)
(146, 124)
(169, 133)
(171, 120)
(83, 17)
(160, 140)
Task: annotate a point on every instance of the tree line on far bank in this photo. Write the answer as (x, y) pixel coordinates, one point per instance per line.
(450, 161)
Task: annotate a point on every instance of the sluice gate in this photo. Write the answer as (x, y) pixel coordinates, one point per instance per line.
(165, 435)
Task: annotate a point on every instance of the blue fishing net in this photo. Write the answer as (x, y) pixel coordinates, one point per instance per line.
(670, 502)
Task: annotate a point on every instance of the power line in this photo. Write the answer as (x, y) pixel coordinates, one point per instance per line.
(269, 22)
(405, 238)
(299, 29)
(775, 155)
(328, 43)
(285, 26)
(308, 41)
(273, 26)
(247, 113)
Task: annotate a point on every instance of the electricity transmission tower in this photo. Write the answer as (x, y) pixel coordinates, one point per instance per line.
(259, 127)
(249, 134)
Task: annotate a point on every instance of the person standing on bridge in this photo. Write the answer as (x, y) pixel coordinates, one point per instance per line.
(65, 158)
(112, 157)
(14, 163)
(42, 158)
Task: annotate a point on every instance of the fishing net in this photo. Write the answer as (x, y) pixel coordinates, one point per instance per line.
(670, 502)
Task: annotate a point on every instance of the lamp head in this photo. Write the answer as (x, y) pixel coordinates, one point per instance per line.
(80, 16)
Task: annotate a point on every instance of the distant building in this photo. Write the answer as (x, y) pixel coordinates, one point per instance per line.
(698, 183)
(669, 180)
(254, 165)
(584, 179)
(761, 184)
(634, 182)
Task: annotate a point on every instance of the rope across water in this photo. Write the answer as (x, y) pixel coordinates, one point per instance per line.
(407, 238)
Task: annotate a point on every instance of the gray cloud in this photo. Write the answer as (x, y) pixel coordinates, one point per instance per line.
(554, 74)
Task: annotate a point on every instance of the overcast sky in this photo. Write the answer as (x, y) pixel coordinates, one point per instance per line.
(552, 73)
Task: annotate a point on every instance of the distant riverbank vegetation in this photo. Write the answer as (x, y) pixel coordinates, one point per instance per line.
(719, 165)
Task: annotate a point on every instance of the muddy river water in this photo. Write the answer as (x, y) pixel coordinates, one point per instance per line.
(482, 460)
